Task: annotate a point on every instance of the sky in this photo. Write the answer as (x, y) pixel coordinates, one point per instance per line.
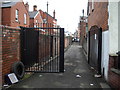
(68, 12)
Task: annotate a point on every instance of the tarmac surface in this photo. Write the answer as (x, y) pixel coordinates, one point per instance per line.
(78, 74)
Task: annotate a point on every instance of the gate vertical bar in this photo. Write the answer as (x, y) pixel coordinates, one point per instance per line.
(99, 49)
(89, 47)
(61, 63)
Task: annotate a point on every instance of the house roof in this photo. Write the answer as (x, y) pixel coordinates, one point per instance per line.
(50, 16)
(44, 17)
(33, 14)
(10, 3)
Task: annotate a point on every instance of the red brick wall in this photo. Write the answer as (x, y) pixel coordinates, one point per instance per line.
(82, 31)
(22, 10)
(50, 20)
(8, 15)
(67, 41)
(113, 78)
(10, 49)
(33, 21)
(38, 19)
(44, 46)
(99, 16)
(44, 16)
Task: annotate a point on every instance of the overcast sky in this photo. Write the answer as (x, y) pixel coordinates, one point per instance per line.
(67, 11)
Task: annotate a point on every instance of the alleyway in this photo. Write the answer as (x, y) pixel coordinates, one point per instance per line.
(75, 65)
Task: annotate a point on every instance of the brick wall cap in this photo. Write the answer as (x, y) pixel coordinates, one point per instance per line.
(9, 27)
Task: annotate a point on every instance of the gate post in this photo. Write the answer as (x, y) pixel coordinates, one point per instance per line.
(99, 49)
(61, 64)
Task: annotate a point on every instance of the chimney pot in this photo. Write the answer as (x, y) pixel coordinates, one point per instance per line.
(54, 14)
(27, 6)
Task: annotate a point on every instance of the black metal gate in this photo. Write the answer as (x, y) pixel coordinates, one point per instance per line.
(95, 48)
(42, 49)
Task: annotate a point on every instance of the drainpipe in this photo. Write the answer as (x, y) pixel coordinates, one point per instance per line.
(0, 47)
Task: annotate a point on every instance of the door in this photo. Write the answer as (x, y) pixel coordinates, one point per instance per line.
(95, 48)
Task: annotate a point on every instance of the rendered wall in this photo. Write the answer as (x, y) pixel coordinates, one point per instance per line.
(113, 27)
(105, 54)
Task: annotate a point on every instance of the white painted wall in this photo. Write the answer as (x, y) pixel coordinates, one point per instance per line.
(105, 53)
(113, 28)
(110, 37)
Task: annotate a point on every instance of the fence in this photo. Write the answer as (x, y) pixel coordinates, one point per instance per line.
(68, 41)
(84, 44)
(39, 49)
(49, 48)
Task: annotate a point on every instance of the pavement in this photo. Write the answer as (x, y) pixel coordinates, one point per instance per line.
(78, 74)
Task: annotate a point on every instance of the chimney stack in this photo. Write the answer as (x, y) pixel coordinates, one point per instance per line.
(27, 6)
(35, 8)
(54, 14)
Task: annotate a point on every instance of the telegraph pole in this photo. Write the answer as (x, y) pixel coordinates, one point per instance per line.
(47, 13)
(83, 12)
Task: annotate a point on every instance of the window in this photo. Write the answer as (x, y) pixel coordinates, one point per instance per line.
(44, 21)
(16, 15)
(25, 19)
(89, 9)
(36, 21)
(35, 26)
(92, 5)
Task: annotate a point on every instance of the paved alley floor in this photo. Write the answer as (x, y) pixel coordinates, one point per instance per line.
(78, 74)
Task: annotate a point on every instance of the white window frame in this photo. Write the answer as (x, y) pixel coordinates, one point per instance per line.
(36, 21)
(89, 9)
(25, 18)
(16, 15)
(35, 26)
(92, 4)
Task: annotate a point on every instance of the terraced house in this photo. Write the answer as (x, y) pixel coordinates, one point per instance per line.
(35, 18)
(48, 20)
(15, 14)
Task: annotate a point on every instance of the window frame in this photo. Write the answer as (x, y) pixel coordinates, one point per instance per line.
(25, 18)
(89, 10)
(92, 5)
(16, 15)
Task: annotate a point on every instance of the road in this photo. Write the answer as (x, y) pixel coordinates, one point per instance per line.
(78, 74)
